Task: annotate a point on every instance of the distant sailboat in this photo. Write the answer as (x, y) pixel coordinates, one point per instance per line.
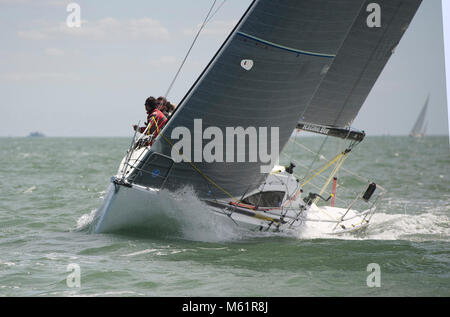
(305, 64)
(420, 127)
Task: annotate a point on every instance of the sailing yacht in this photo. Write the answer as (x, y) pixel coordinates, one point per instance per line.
(287, 65)
(419, 128)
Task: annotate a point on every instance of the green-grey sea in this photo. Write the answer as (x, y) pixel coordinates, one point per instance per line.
(51, 187)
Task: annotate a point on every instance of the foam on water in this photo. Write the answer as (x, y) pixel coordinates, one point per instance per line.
(387, 227)
(29, 190)
(422, 227)
(85, 221)
(196, 221)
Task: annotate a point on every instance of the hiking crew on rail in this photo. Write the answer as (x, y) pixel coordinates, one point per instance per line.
(156, 119)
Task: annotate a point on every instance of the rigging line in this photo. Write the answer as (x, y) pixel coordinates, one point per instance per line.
(325, 167)
(243, 195)
(328, 193)
(332, 61)
(367, 63)
(260, 192)
(327, 164)
(190, 49)
(205, 21)
(217, 10)
(130, 152)
(317, 187)
(315, 159)
(341, 187)
(332, 174)
(306, 148)
(212, 61)
(343, 168)
(321, 81)
(144, 133)
(292, 146)
(303, 166)
(199, 171)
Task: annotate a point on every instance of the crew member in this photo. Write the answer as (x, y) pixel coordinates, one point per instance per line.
(155, 118)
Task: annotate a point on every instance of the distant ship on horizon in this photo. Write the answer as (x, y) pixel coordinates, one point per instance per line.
(36, 134)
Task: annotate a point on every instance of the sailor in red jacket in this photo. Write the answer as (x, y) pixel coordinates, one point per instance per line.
(155, 119)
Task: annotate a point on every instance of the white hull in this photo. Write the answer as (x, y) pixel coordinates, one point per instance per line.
(137, 206)
(127, 207)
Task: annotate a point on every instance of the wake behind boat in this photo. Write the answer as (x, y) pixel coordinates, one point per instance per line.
(310, 66)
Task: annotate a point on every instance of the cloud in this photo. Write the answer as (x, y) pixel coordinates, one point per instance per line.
(216, 28)
(104, 29)
(32, 35)
(147, 28)
(53, 3)
(36, 76)
(54, 51)
(163, 61)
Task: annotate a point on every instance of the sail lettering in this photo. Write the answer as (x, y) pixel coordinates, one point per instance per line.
(316, 128)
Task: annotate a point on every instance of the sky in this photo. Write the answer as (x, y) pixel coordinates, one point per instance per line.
(93, 80)
(446, 21)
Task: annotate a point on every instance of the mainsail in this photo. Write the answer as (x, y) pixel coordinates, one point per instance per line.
(418, 128)
(314, 60)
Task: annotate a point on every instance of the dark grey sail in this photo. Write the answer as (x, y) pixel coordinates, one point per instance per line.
(358, 64)
(269, 73)
(418, 128)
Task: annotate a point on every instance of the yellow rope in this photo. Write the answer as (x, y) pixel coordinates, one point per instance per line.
(324, 168)
(335, 170)
(156, 124)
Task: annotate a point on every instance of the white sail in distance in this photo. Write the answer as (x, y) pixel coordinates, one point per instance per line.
(418, 129)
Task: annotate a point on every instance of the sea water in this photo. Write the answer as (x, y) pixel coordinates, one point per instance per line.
(50, 189)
